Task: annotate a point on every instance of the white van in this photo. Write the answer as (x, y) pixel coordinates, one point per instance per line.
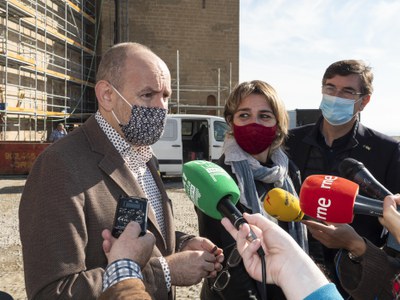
(189, 137)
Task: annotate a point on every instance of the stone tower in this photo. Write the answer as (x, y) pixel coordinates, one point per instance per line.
(198, 39)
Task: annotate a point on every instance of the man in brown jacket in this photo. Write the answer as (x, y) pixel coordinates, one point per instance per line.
(72, 190)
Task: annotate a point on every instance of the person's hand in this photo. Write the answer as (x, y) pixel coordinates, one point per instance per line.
(129, 245)
(337, 236)
(285, 260)
(274, 241)
(391, 217)
(191, 266)
(200, 243)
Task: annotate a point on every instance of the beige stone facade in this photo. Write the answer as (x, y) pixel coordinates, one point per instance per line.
(198, 39)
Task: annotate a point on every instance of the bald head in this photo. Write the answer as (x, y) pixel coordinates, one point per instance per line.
(113, 63)
(131, 74)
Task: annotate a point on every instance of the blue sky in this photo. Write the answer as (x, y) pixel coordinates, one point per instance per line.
(290, 43)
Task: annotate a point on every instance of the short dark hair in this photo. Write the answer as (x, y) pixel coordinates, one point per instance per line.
(348, 67)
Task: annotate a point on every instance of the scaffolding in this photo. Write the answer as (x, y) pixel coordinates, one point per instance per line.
(178, 105)
(47, 65)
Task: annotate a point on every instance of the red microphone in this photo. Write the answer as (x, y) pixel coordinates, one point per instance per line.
(335, 199)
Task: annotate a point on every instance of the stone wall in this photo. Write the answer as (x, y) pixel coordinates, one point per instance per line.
(206, 34)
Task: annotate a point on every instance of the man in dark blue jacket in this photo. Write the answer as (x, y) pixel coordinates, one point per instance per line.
(319, 148)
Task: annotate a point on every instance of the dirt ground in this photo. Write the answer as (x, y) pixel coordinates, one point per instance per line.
(11, 266)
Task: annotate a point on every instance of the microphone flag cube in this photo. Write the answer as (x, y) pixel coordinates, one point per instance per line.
(328, 198)
(206, 184)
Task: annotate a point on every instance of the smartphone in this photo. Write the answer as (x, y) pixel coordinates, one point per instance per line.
(130, 209)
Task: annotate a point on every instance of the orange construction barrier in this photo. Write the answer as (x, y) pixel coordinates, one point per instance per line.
(16, 158)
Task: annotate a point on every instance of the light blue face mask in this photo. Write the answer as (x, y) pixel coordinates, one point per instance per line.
(336, 110)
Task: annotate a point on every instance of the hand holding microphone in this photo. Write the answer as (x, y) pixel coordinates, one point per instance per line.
(391, 216)
(214, 192)
(337, 236)
(357, 172)
(285, 259)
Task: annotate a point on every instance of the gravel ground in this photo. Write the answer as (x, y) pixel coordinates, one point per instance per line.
(11, 266)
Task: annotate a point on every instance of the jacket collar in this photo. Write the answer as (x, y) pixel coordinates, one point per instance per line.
(112, 163)
(114, 166)
(312, 137)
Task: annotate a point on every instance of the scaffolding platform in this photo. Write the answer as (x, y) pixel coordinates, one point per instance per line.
(47, 63)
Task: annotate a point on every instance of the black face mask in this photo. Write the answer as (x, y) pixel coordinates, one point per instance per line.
(145, 125)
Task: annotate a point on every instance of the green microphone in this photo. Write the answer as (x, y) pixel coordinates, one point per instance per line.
(214, 192)
(207, 184)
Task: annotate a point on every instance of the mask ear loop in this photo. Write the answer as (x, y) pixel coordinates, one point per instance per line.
(116, 117)
(123, 98)
(361, 106)
(119, 94)
(360, 109)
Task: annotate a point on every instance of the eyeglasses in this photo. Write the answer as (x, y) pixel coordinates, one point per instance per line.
(224, 276)
(347, 93)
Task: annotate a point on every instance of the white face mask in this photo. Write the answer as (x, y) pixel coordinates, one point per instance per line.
(337, 111)
(145, 125)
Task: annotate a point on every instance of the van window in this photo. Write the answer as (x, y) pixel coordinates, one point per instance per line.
(187, 128)
(170, 130)
(220, 129)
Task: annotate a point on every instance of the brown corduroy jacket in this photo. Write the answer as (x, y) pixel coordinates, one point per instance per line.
(70, 196)
(372, 277)
(129, 289)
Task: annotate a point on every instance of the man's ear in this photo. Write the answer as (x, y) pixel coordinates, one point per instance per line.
(104, 91)
(365, 101)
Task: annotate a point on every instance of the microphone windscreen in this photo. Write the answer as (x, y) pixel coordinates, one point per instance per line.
(206, 184)
(328, 198)
(282, 205)
(355, 171)
(349, 166)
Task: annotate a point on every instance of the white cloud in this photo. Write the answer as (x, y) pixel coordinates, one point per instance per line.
(290, 44)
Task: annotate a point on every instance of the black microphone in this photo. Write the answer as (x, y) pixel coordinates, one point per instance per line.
(214, 192)
(356, 171)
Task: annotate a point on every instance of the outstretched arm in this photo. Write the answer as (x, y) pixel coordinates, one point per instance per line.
(285, 260)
